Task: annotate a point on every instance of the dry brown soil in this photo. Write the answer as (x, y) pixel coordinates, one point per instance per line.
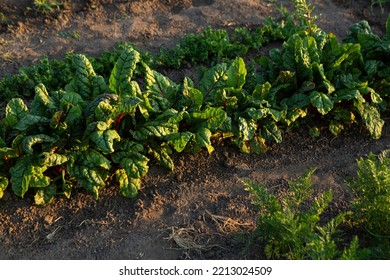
(200, 210)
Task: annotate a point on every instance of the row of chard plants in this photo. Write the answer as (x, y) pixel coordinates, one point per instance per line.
(102, 130)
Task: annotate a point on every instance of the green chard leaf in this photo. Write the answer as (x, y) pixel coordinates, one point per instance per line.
(192, 98)
(42, 102)
(15, 110)
(180, 140)
(85, 82)
(52, 159)
(371, 118)
(90, 168)
(104, 140)
(213, 79)
(236, 74)
(157, 129)
(30, 120)
(161, 154)
(128, 186)
(247, 128)
(27, 173)
(3, 185)
(121, 75)
(130, 158)
(203, 139)
(321, 101)
(270, 131)
(46, 195)
(159, 85)
(210, 118)
(29, 141)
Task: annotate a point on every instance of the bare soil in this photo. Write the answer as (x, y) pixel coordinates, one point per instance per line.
(200, 210)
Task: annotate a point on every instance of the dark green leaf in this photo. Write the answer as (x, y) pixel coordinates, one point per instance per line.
(161, 154)
(15, 110)
(210, 118)
(104, 140)
(371, 118)
(180, 140)
(270, 131)
(52, 159)
(202, 138)
(29, 141)
(27, 173)
(247, 128)
(236, 74)
(321, 101)
(128, 187)
(123, 71)
(29, 120)
(3, 185)
(46, 195)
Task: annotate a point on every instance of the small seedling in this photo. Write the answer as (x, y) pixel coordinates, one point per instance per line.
(46, 7)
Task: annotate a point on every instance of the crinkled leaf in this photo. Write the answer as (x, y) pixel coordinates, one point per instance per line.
(160, 85)
(335, 127)
(52, 159)
(203, 139)
(213, 79)
(89, 168)
(348, 94)
(136, 167)
(236, 74)
(193, 98)
(70, 99)
(83, 81)
(46, 195)
(318, 70)
(210, 118)
(161, 154)
(98, 85)
(256, 114)
(130, 158)
(298, 100)
(129, 104)
(92, 158)
(15, 110)
(128, 187)
(296, 57)
(3, 185)
(31, 120)
(371, 118)
(159, 129)
(104, 140)
(180, 140)
(29, 141)
(247, 128)
(123, 71)
(27, 173)
(257, 144)
(321, 101)
(270, 131)
(42, 101)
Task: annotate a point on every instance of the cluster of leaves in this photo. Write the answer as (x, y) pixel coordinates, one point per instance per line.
(290, 226)
(313, 71)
